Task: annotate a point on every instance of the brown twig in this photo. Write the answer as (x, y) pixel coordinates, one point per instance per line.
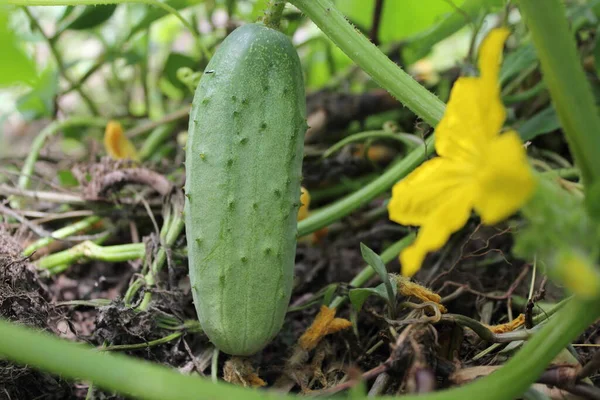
(52, 197)
(372, 373)
(506, 295)
(41, 232)
(564, 378)
(590, 367)
(172, 117)
(117, 178)
(374, 34)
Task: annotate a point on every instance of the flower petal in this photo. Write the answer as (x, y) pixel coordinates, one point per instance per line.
(475, 113)
(505, 180)
(490, 53)
(117, 145)
(435, 232)
(423, 191)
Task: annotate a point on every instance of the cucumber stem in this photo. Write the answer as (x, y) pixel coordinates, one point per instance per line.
(569, 89)
(369, 58)
(273, 13)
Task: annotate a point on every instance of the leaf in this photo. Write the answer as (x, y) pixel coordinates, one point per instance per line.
(68, 11)
(67, 179)
(328, 293)
(374, 261)
(524, 57)
(545, 121)
(92, 16)
(377, 264)
(39, 101)
(155, 13)
(419, 45)
(15, 67)
(399, 19)
(596, 52)
(358, 296)
(174, 62)
(258, 9)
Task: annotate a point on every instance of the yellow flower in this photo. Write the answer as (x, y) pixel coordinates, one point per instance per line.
(304, 204)
(116, 143)
(477, 168)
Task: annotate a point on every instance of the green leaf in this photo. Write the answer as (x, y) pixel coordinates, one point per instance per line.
(174, 62)
(399, 18)
(521, 59)
(558, 232)
(377, 264)
(68, 11)
(15, 67)
(155, 13)
(258, 9)
(92, 16)
(358, 296)
(39, 101)
(67, 179)
(545, 121)
(419, 45)
(328, 293)
(596, 52)
(374, 261)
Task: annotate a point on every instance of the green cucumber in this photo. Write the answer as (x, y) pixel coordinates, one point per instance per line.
(243, 172)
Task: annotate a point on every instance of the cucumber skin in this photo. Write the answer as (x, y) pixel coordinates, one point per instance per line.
(243, 173)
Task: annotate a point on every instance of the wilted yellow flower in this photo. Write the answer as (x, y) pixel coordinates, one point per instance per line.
(324, 324)
(477, 168)
(304, 204)
(117, 145)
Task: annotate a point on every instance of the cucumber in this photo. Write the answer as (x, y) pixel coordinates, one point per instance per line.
(243, 172)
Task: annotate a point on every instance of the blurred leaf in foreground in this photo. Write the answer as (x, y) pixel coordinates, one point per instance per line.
(15, 67)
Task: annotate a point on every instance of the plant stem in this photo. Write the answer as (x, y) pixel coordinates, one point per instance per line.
(214, 366)
(154, 140)
(45, 134)
(59, 62)
(113, 371)
(411, 141)
(569, 89)
(389, 76)
(177, 115)
(345, 186)
(345, 206)
(161, 256)
(368, 57)
(137, 346)
(62, 233)
(484, 331)
(173, 224)
(90, 250)
(273, 13)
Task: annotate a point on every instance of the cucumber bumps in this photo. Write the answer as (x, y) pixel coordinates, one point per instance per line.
(243, 172)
